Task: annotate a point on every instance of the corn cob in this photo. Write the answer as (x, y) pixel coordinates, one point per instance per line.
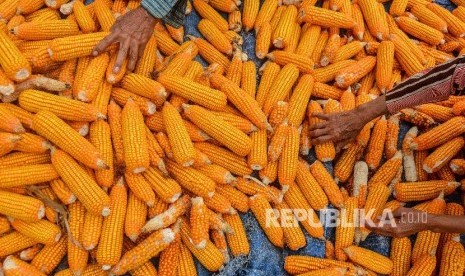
(324, 91)
(376, 145)
(387, 171)
(81, 184)
(281, 86)
(92, 230)
(283, 32)
(146, 249)
(44, 30)
(325, 17)
(167, 189)
(287, 167)
(452, 259)
(454, 25)
(325, 180)
(303, 63)
(329, 52)
(62, 49)
(210, 53)
(308, 41)
(425, 190)
(209, 30)
(329, 73)
(189, 179)
(249, 79)
(355, 72)
(249, 13)
(439, 135)
(16, 68)
(269, 73)
(442, 155)
(437, 112)
(14, 242)
(135, 217)
(411, 65)
(279, 114)
(345, 165)
(42, 231)
(50, 256)
(385, 56)
(186, 264)
(169, 257)
(296, 264)
(206, 11)
(14, 266)
(259, 206)
(265, 14)
(428, 17)
(369, 259)
(293, 236)
(199, 223)
(377, 197)
(458, 166)
(345, 231)
(235, 21)
(77, 256)
(420, 30)
(326, 151)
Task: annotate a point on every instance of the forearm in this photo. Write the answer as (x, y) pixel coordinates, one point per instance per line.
(371, 110)
(446, 224)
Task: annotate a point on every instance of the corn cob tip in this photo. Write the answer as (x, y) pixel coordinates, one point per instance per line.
(168, 234)
(210, 194)
(442, 41)
(106, 267)
(101, 116)
(197, 200)
(51, 3)
(232, 211)
(105, 211)
(201, 245)
(379, 36)
(15, 138)
(175, 197)
(101, 164)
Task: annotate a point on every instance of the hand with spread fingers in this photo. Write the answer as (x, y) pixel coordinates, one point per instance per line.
(132, 31)
(407, 222)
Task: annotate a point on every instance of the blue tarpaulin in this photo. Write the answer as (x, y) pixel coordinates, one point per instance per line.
(265, 259)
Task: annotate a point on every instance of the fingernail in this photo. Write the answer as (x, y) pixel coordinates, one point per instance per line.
(116, 69)
(94, 53)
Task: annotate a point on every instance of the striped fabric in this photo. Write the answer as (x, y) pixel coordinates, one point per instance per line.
(433, 85)
(171, 12)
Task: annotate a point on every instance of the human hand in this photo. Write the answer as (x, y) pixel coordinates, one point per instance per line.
(340, 128)
(408, 221)
(132, 31)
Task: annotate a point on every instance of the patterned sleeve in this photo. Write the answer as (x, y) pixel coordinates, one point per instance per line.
(434, 85)
(170, 11)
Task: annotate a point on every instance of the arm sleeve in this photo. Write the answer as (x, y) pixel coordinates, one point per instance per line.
(431, 86)
(170, 11)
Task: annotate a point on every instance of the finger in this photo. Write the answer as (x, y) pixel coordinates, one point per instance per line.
(321, 116)
(399, 211)
(133, 56)
(340, 146)
(122, 54)
(318, 125)
(322, 139)
(319, 132)
(107, 41)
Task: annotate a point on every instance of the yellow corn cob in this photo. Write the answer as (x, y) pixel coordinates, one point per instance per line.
(102, 99)
(13, 62)
(417, 118)
(135, 154)
(50, 256)
(77, 256)
(165, 43)
(87, 89)
(15, 266)
(287, 167)
(218, 129)
(209, 52)
(91, 270)
(243, 101)
(277, 142)
(104, 15)
(92, 230)
(28, 7)
(369, 259)
(437, 112)
(306, 182)
(269, 173)
(210, 257)
(189, 178)
(194, 92)
(249, 79)
(347, 100)
(249, 13)
(345, 231)
(199, 223)
(277, 16)
(140, 188)
(442, 155)
(325, 17)
(263, 40)
(279, 114)
(347, 51)
(376, 145)
(329, 52)
(420, 30)
(183, 150)
(235, 20)
(31, 143)
(121, 96)
(62, 49)
(329, 73)
(428, 17)
(439, 135)
(299, 97)
(167, 189)
(234, 72)
(281, 87)
(209, 30)
(458, 166)
(135, 217)
(186, 264)
(293, 236)
(454, 25)
(265, 14)
(297, 264)
(401, 249)
(146, 63)
(81, 184)
(257, 158)
(219, 240)
(425, 190)
(42, 231)
(43, 15)
(30, 209)
(345, 164)
(308, 41)
(409, 63)
(324, 91)
(220, 204)
(111, 240)
(303, 63)
(169, 257)
(227, 159)
(206, 11)
(270, 72)
(68, 109)
(420, 156)
(452, 259)
(23, 159)
(355, 72)
(385, 57)
(283, 32)
(14, 242)
(146, 249)
(398, 7)
(259, 206)
(51, 127)
(236, 197)
(145, 87)
(158, 208)
(44, 30)
(377, 197)
(114, 120)
(387, 171)
(325, 180)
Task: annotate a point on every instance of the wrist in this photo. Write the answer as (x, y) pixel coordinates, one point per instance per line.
(145, 13)
(433, 223)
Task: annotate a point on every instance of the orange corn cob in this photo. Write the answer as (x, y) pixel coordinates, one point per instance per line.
(135, 217)
(146, 63)
(282, 34)
(452, 259)
(387, 171)
(326, 151)
(345, 232)
(140, 188)
(306, 182)
(325, 180)
(325, 17)
(249, 79)
(324, 91)
(345, 165)
(376, 145)
(287, 167)
(263, 40)
(145, 87)
(369, 259)
(80, 183)
(384, 65)
(330, 50)
(92, 230)
(281, 86)
(227, 159)
(236, 197)
(259, 206)
(279, 114)
(265, 14)
(401, 249)
(293, 236)
(62, 49)
(142, 252)
(329, 73)
(237, 240)
(377, 197)
(167, 189)
(270, 72)
(297, 264)
(437, 112)
(199, 223)
(420, 30)
(409, 63)
(44, 30)
(454, 25)
(42, 231)
(209, 30)
(14, 63)
(428, 17)
(442, 155)
(209, 53)
(121, 96)
(14, 266)
(249, 13)
(277, 141)
(186, 175)
(425, 190)
(257, 158)
(269, 173)
(111, 240)
(353, 73)
(206, 11)
(420, 157)
(439, 135)
(114, 120)
(77, 256)
(9, 122)
(50, 256)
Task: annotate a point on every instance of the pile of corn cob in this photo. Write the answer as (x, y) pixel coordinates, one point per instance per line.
(115, 169)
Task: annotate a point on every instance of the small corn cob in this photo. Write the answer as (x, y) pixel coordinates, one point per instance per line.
(92, 230)
(227, 159)
(329, 73)
(77, 256)
(45, 30)
(249, 13)
(13, 62)
(169, 264)
(146, 249)
(111, 240)
(42, 231)
(347, 51)
(145, 87)
(293, 236)
(135, 217)
(269, 73)
(324, 91)
(437, 112)
(425, 190)
(326, 151)
(265, 14)
(186, 264)
(114, 120)
(287, 167)
(283, 32)
(257, 158)
(345, 232)
(269, 174)
(14, 242)
(452, 259)
(325, 180)
(329, 52)
(385, 57)
(420, 157)
(141, 189)
(235, 21)
(417, 118)
(308, 41)
(15, 266)
(377, 197)
(442, 155)
(249, 79)
(100, 137)
(199, 223)
(409, 63)
(260, 206)
(279, 114)
(454, 25)
(62, 49)
(303, 63)
(297, 264)
(376, 145)
(146, 63)
(345, 164)
(458, 166)
(209, 30)
(189, 179)
(263, 40)
(167, 189)
(353, 73)
(420, 30)
(235, 196)
(387, 171)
